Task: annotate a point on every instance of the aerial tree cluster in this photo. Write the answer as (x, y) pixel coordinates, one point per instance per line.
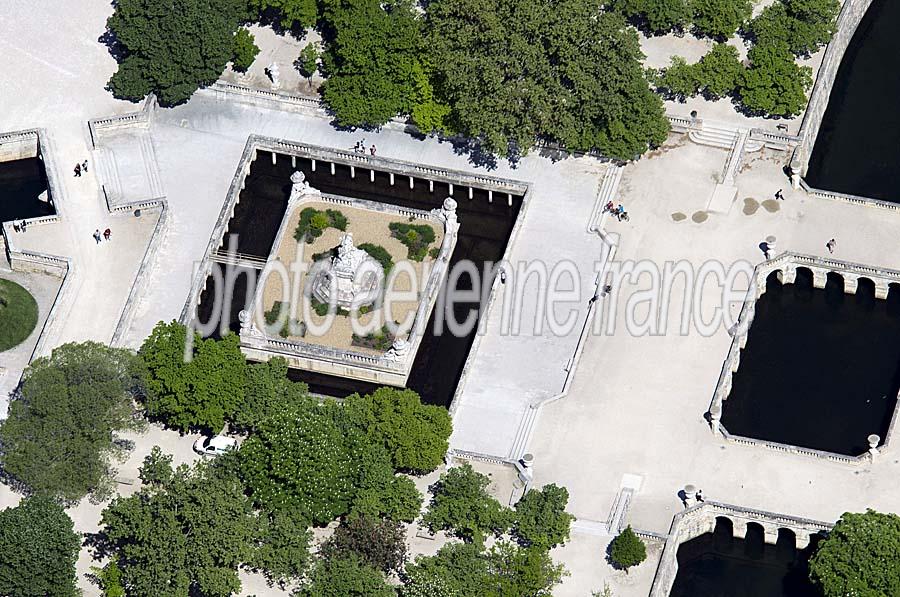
(61, 431)
(860, 556)
(627, 550)
(800, 26)
(718, 19)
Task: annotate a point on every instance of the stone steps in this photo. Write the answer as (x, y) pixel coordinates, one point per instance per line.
(149, 158)
(608, 188)
(108, 174)
(523, 433)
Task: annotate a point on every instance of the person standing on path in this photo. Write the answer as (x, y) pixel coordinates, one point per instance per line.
(830, 245)
(84, 165)
(107, 233)
(97, 235)
(372, 150)
(779, 195)
(77, 170)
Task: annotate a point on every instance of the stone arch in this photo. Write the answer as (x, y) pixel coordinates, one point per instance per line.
(724, 524)
(786, 537)
(835, 279)
(754, 541)
(804, 276)
(865, 285)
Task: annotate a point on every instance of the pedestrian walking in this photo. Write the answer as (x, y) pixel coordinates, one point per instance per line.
(16, 226)
(23, 224)
(779, 195)
(830, 245)
(700, 495)
(96, 235)
(84, 165)
(372, 149)
(77, 170)
(764, 247)
(107, 233)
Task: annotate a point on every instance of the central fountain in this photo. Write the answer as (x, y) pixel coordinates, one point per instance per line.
(353, 277)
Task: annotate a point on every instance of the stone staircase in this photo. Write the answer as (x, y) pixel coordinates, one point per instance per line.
(523, 433)
(723, 136)
(108, 174)
(149, 158)
(608, 187)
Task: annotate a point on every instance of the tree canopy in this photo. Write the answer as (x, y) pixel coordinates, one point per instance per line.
(345, 577)
(860, 556)
(656, 16)
(185, 535)
(38, 550)
(60, 432)
(414, 434)
(627, 550)
(462, 505)
(291, 13)
(172, 48)
(512, 71)
(719, 19)
(311, 459)
(380, 544)
(372, 50)
(200, 393)
(801, 25)
(774, 84)
(541, 519)
(268, 392)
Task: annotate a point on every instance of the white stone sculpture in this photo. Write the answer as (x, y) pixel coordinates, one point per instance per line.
(354, 277)
(299, 186)
(274, 75)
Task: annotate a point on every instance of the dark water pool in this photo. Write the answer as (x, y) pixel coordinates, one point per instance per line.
(484, 233)
(821, 368)
(718, 565)
(21, 183)
(857, 150)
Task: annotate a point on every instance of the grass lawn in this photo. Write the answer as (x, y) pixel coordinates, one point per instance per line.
(18, 314)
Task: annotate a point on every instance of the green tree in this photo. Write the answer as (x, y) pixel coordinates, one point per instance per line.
(414, 434)
(520, 571)
(200, 393)
(308, 61)
(427, 586)
(268, 392)
(627, 549)
(188, 537)
(292, 13)
(860, 556)
(657, 16)
(679, 80)
(719, 19)
(245, 50)
(378, 492)
(61, 432)
(541, 519)
(428, 112)
(173, 48)
(282, 550)
(345, 577)
(461, 504)
(466, 570)
(611, 107)
(38, 550)
(380, 544)
(370, 53)
(801, 25)
(157, 468)
(774, 84)
(110, 577)
(720, 70)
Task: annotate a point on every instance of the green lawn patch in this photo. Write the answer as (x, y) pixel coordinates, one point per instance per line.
(379, 254)
(416, 237)
(18, 314)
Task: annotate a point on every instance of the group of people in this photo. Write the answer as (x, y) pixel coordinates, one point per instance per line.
(106, 235)
(616, 210)
(79, 168)
(19, 226)
(360, 147)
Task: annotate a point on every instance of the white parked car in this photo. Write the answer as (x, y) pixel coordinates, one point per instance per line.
(214, 446)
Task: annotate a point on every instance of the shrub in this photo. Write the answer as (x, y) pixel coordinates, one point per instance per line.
(156, 470)
(379, 254)
(416, 237)
(541, 519)
(801, 25)
(719, 19)
(290, 327)
(308, 60)
(381, 340)
(627, 549)
(314, 221)
(245, 50)
(345, 577)
(462, 506)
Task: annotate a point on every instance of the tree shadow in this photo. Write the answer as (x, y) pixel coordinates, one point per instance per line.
(113, 45)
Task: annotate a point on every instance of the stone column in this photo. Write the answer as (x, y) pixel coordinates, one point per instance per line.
(820, 278)
(739, 528)
(391, 174)
(690, 496)
(788, 275)
(850, 283)
(715, 415)
(802, 538)
(770, 534)
(881, 289)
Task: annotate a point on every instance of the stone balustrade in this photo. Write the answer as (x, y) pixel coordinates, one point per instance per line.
(702, 518)
(785, 266)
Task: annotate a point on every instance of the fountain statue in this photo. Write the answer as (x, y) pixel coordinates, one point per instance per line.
(353, 276)
(299, 186)
(274, 75)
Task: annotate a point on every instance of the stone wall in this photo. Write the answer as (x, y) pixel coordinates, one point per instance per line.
(18, 145)
(851, 14)
(701, 518)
